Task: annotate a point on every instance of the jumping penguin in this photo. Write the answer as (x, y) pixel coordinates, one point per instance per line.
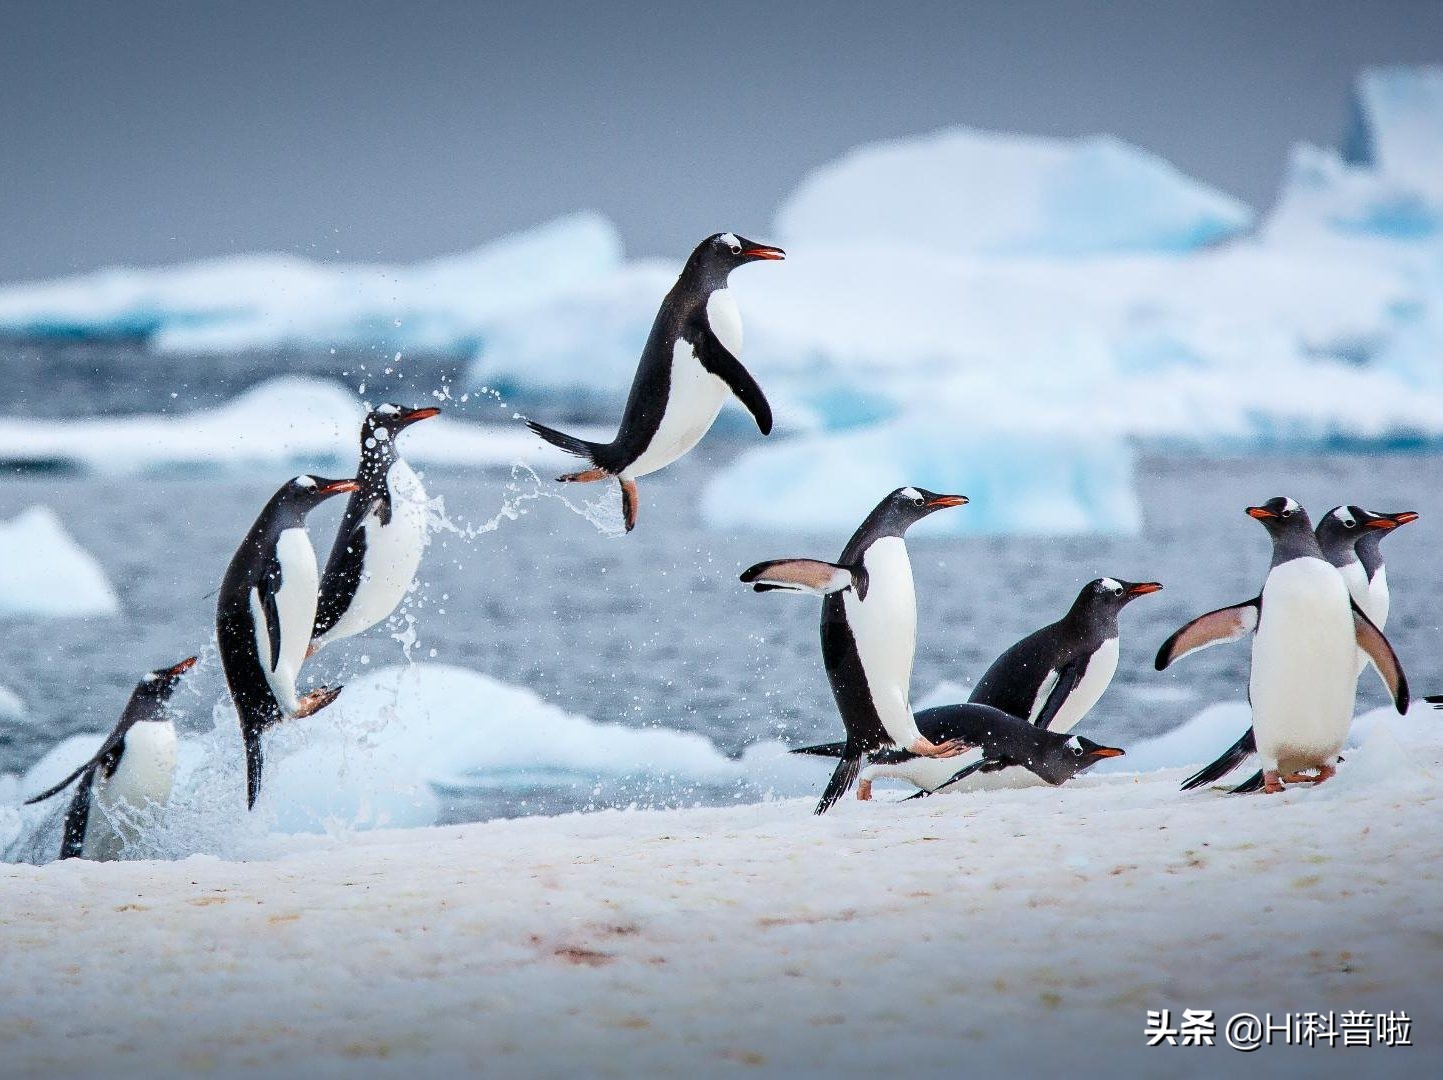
(1350, 538)
(1306, 631)
(690, 362)
(265, 613)
(1054, 676)
(869, 631)
(1002, 741)
(134, 768)
(382, 535)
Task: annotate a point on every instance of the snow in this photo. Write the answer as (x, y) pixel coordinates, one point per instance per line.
(288, 423)
(960, 190)
(12, 708)
(45, 573)
(997, 929)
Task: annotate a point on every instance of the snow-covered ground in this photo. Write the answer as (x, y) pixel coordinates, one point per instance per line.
(45, 572)
(1029, 930)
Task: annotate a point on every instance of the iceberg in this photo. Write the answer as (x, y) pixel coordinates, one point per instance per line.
(11, 707)
(45, 573)
(961, 190)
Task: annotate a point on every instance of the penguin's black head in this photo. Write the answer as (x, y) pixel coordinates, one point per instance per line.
(385, 422)
(1370, 521)
(909, 505)
(721, 253)
(1069, 756)
(305, 491)
(159, 684)
(1105, 597)
(1281, 516)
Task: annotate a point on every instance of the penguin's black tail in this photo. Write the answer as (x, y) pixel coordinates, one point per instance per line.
(842, 780)
(255, 763)
(826, 749)
(1250, 785)
(1231, 758)
(1436, 700)
(570, 443)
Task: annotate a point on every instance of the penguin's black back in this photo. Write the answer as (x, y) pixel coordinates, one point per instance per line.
(1012, 682)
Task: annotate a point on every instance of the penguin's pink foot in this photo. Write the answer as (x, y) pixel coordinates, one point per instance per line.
(1326, 772)
(311, 649)
(589, 476)
(630, 502)
(1272, 782)
(925, 747)
(317, 699)
(864, 790)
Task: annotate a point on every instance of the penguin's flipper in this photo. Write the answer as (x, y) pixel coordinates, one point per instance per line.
(106, 757)
(1067, 679)
(917, 795)
(1250, 786)
(807, 576)
(1229, 760)
(984, 765)
(841, 782)
(1436, 700)
(1372, 642)
(72, 841)
(826, 749)
(715, 358)
(1214, 628)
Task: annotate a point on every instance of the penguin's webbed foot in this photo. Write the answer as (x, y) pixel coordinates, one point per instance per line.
(317, 699)
(630, 502)
(864, 790)
(925, 747)
(1272, 782)
(588, 476)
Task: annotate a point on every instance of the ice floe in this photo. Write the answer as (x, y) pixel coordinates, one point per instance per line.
(44, 572)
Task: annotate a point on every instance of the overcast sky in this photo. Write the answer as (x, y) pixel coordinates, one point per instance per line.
(147, 132)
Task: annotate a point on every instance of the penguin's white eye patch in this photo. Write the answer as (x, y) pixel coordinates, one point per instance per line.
(913, 494)
(306, 481)
(387, 409)
(1112, 585)
(731, 241)
(1290, 507)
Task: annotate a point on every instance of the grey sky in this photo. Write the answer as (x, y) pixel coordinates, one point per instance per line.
(149, 132)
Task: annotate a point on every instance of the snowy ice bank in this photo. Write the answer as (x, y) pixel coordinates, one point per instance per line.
(44, 572)
(960, 190)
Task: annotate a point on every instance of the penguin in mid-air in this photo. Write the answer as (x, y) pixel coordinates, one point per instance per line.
(691, 361)
(1001, 741)
(1350, 538)
(382, 535)
(1054, 676)
(134, 768)
(265, 613)
(869, 631)
(1306, 631)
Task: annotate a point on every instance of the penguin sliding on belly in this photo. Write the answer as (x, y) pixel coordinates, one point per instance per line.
(265, 613)
(1002, 741)
(1306, 630)
(382, 535)
(1350, 538)
(869, 631)
(1054, 676)
(691, 361)
(134, 768)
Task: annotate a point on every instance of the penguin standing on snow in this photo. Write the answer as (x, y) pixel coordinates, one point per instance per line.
(265, 613)
(1002, 741)
(1350, 538)
(869, 631)
(691, 361)
(1054, 676)
(382, 535)
(134, 768)
(1306, 634)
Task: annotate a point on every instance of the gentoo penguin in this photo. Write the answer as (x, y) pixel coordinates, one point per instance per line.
(1350, 538)
(133, 768)
(1306, 631)
(1001, 741)
(869, 631)
(382, 534)
(690, 362)
(1053, 677)
(264, 616)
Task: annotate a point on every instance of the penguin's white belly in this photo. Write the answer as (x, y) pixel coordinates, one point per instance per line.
(926, 773)
(1101, 667)
(296, 605)
(144, 776)
(884, 627)
(1304, 667)
(692, 404)
(393, 555)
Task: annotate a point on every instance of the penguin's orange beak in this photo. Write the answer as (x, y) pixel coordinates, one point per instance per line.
(941, 502)
(420, 414)
(774, 254)
(1142, 588)
(1109, 751)
(182, 667)
(1262, 513)
(1392, 521)
(335, 487)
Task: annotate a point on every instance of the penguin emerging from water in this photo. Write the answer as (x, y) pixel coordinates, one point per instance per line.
(691, 361)
(265, 613)
(382, 535)
(1306, 632)
(134, 768)
(1002, 741)
(869, 631)
(1054, 676)
(1350, 538)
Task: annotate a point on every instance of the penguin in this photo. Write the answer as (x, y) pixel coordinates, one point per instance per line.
(134, 768)
(1001, 741)
(691, 360)
(1054, 676)
(869, 631)
(382, 535)
(1306, 629)
(1350, 538)
(265, 613)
